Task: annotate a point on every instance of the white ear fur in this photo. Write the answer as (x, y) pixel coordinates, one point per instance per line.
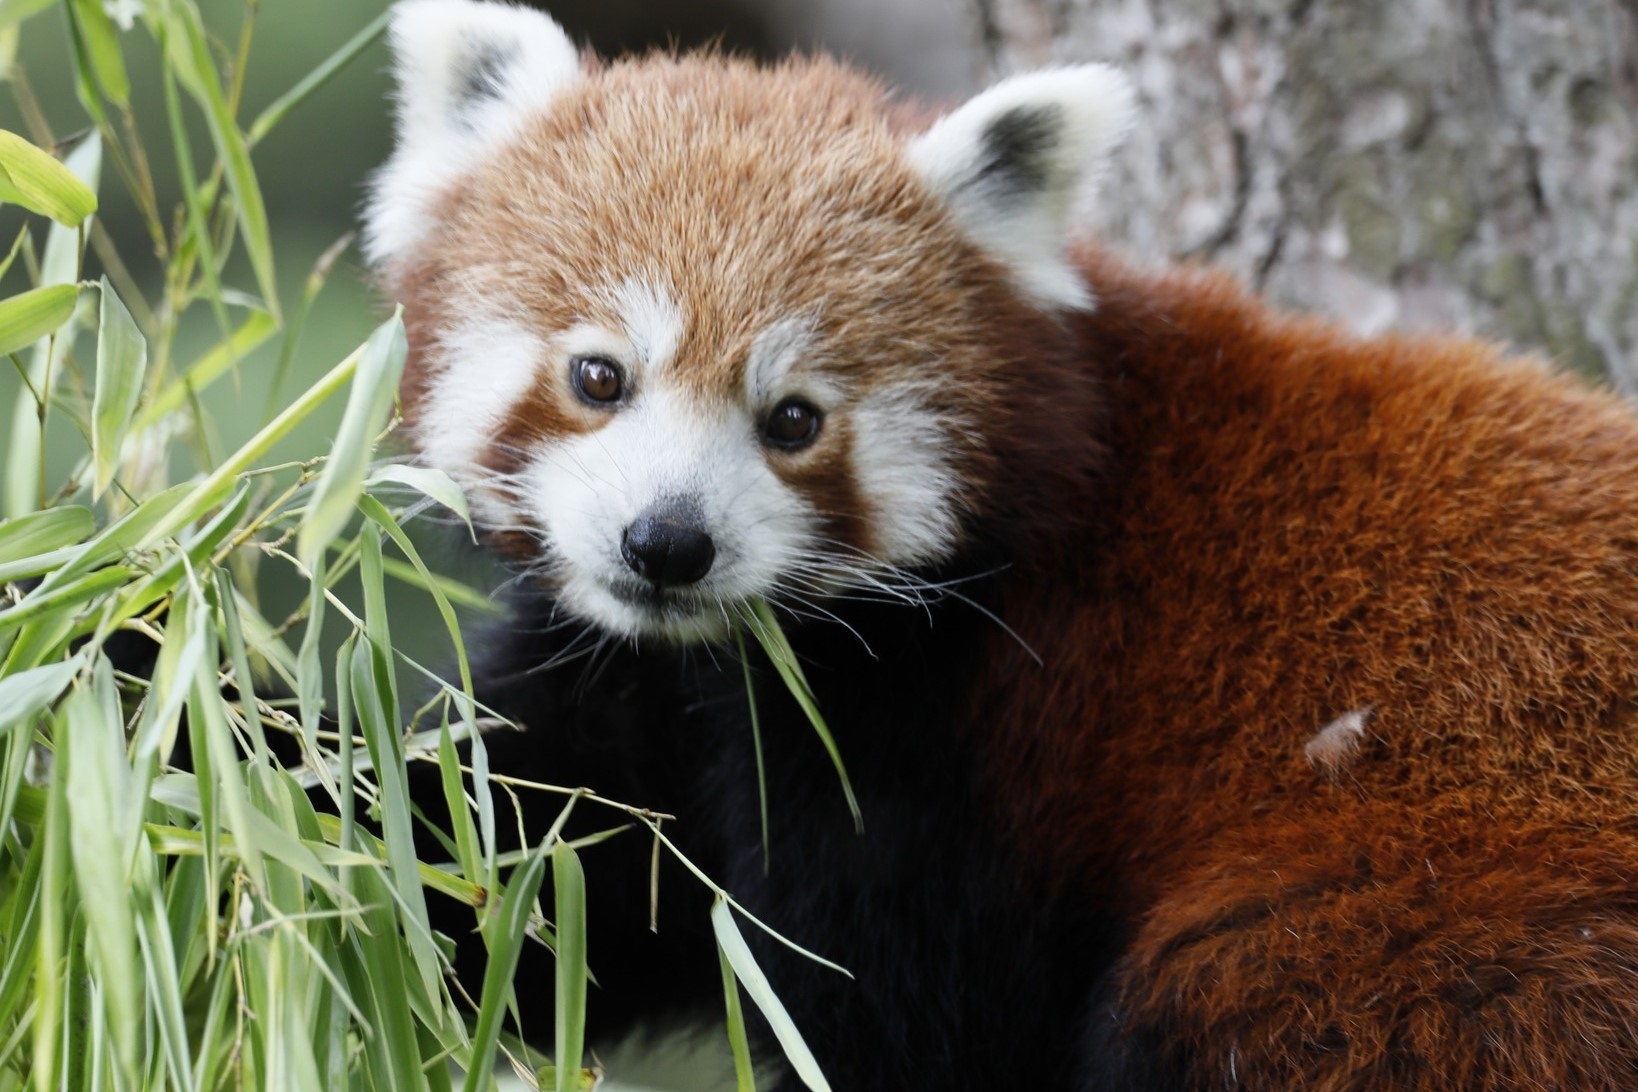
(468, 72)
(1011, 162)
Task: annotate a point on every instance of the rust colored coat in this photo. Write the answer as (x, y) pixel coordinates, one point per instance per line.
(1338, 701)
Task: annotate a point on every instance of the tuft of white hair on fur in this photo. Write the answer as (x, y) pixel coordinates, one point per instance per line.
(1334, 747)
(1013, 162)
(468, 72)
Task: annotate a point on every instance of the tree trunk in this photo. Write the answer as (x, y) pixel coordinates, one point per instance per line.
(1460, 165)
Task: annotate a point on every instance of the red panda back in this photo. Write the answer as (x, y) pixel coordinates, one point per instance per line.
(1343, 696)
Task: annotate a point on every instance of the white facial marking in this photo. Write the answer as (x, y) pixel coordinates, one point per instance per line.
(488, 364)
(663, 448)
(904, 474)
(650, 320)
(778, 349)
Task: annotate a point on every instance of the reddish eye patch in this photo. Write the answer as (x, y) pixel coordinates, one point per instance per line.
(793, 425)
(597, 379)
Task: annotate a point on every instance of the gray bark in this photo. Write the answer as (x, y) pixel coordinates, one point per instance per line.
(1457, 165)
(1461, 165)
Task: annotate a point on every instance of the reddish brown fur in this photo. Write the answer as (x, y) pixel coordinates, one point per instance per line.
(1227, 529)
(1295, 524)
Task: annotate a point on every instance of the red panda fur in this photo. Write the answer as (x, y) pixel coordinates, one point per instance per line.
(1294, 523)
(1315, 658)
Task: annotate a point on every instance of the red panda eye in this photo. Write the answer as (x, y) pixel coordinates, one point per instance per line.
(596, 378)
(793, 424)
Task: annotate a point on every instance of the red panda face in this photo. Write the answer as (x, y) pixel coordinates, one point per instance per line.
(691, 332)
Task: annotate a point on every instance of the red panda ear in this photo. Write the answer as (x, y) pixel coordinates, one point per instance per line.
(467, 73)
(1011, 162)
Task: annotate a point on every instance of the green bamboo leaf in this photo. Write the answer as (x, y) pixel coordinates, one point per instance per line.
(216, 757)
(380, 363)
(376, 704)
(21, 930)
(60, 261)
(102, 43)
(738, 1041)
(118, 537)
(373, 959)
(732, 945)
(35, 180)
(189, 52)
(40, 602)
(162, 973)
(29, 316)
(309, 665)
(51, 954)
(178, 663)
(764, 626)
(122, 362)
(103, 840)
(429, 482)
(506, 936)
(27, 692)
(569, 905)
(469, 856)
(378, 514)
(756, 743)
(220, 482)
(296, 323)
(42, 532)
(196, 552)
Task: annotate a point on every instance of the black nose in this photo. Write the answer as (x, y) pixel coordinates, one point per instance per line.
(668, 550)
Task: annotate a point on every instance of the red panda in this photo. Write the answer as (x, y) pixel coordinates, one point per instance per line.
(1232, 702)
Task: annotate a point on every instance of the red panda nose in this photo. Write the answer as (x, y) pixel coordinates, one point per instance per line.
(668, 549)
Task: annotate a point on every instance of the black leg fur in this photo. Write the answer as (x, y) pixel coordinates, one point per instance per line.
(969, 971)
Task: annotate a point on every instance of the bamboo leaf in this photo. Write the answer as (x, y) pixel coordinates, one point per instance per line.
(27, 692)
(380, 363)
(162, 973)
(122, 361)
(739, 1042)
(21, 930)
(35, 180)
(732, 945)
(102, 43)
(219, 483)
(394, 1048)
(428, 482)
(51, 953)
(506, 937)
(189, 51)
(469, 856)
(29, 316)
(40, 603)
(376, 707)
(42, 532)
(756, 743)
(99, 782)
(569, 905)
(766, 629)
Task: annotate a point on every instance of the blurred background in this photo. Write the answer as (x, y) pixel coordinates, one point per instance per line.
(1460, 165)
